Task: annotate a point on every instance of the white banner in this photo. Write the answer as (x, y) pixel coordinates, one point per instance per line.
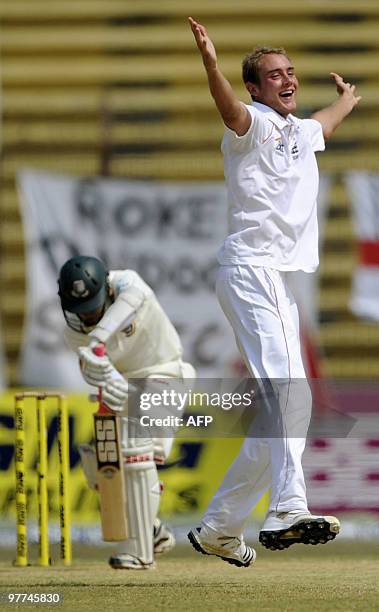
(168, 232)
(364, 189)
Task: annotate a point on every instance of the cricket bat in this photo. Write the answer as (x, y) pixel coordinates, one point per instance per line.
(110, 471)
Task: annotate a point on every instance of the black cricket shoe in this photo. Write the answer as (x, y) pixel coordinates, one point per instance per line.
(283, 529)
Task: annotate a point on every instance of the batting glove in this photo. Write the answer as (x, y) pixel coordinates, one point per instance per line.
(95, 370)
(114, 394)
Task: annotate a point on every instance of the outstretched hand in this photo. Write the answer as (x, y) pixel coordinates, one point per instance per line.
(204, 43)
(346, 90)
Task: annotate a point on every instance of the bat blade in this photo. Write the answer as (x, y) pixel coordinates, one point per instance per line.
(110, 476)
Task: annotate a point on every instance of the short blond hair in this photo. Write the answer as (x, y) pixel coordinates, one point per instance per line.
(250, 64)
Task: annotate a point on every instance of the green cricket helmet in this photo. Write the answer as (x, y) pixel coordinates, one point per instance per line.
(82, 288)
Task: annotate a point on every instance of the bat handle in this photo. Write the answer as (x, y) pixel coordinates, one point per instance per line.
(103, 408)
(99, 350)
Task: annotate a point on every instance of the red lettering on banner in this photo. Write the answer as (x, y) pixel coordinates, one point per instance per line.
(373, 476)
(373, 443)
(319, 443)
(368, 252)
(320, 476)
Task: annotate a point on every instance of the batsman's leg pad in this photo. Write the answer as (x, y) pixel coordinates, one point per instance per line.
(89, 464)
(143, 495)
(162, 448)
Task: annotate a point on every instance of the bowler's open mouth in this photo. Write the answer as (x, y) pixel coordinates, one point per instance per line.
(287, 93)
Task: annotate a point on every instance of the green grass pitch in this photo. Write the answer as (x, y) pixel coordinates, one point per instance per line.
(337, 576)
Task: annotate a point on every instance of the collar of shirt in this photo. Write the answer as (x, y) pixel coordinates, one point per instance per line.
(278, 120)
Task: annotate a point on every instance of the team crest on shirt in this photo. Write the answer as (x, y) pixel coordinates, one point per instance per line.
(294, 149)
(129, 331)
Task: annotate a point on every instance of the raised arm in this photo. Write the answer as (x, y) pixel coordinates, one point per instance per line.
(331, 116)
(233, 112)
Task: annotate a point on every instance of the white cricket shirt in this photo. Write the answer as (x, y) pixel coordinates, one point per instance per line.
(272, 181)
(149, 344)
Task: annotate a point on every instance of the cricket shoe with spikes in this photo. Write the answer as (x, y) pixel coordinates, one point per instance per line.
(282, 529)
(163, 538)
(124, 561)
(231, 549)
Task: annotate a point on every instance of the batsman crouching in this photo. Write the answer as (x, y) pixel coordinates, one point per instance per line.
(119, 311)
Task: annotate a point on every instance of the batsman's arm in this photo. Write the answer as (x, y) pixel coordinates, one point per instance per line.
(331, 116)
(233, 112)
(117, 317)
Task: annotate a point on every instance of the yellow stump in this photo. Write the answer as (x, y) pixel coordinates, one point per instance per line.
(22, 535)
(64, 470)
(64, 493)
(43, 510)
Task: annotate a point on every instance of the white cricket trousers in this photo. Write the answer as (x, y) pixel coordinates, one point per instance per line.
(264, 317)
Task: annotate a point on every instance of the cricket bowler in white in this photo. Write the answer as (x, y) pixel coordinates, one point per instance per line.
(119, 310)
(272, 182)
